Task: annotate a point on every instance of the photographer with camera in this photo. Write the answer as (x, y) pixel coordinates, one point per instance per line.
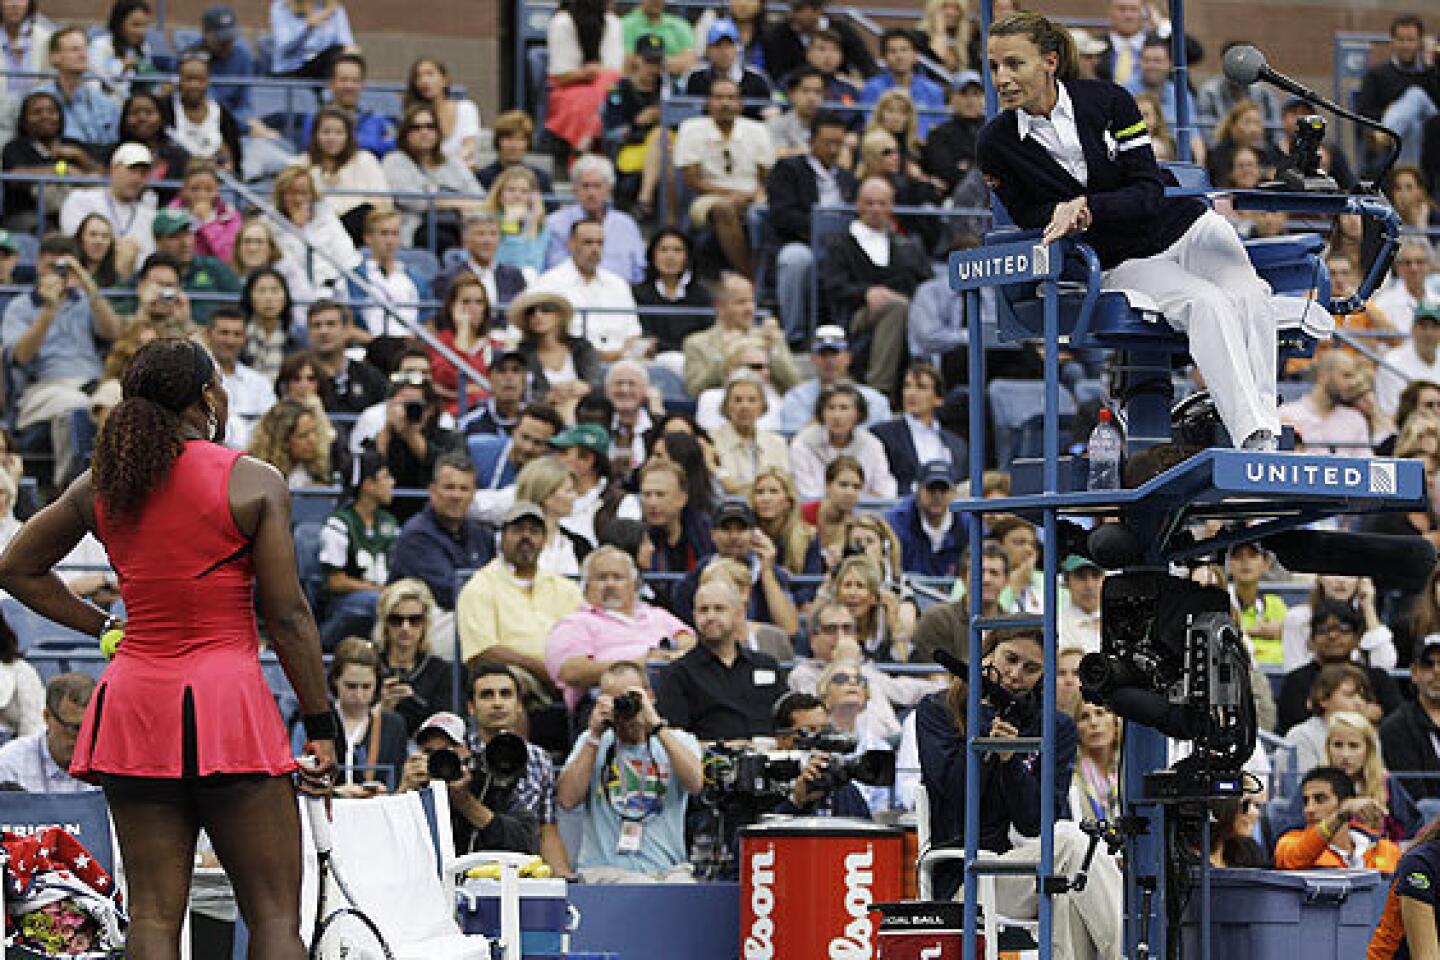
(502, 789)
(633, 772)
(1087, 922)
(798, 717)
(414, 435)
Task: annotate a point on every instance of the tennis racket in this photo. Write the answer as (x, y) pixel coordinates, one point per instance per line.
(342, 930)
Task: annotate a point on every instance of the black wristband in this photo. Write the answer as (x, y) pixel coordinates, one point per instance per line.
(320, 726)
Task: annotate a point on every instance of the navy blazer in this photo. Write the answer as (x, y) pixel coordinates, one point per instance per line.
(509, 284)
(1131, 216)
(899, 445)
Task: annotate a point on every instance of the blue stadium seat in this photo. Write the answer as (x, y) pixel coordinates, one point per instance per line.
(307, 562)
(424, 263)
(485, 451)
(1292, 390)
(453, 258)
(313, 507)
(670, 383)
(34, 631)
(1011, 404)
(183, 38)
(28, 247)
(387, 103)
(84, 815)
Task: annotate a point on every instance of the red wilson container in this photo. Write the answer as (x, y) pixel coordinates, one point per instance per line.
(808, 885)
(924, 931)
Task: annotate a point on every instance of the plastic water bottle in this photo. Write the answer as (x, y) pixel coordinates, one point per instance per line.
(1104, 450)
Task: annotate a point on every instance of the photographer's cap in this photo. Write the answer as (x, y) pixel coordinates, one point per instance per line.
(444, 722)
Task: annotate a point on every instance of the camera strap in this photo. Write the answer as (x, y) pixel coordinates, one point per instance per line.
(637, 806)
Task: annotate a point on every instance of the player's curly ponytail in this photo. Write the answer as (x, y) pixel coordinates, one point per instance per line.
(141, 439)
(1046, 34)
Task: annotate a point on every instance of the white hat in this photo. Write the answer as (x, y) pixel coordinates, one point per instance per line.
(131, 155)
(447, 723)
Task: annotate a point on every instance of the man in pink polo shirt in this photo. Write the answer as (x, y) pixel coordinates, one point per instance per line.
(612, 625)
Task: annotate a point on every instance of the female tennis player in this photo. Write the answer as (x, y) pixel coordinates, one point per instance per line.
(182, 732)
(1073, 157)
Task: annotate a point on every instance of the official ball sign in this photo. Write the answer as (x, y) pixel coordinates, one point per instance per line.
(1001, 263)
(1251, 473)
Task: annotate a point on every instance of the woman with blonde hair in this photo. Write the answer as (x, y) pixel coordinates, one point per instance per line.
(1353, 744)
(290, 437)
(1242, 126)
(417, 683)
(340, 168)
(319, 243)
(872, 535)
(546, 482)
(776, 505)
(895, 114)
(884, 625)
(948, 29)
(518, 205)
(1162, 141)
(748, 354)
(1095, 784)
(742, 446)
(882, 155)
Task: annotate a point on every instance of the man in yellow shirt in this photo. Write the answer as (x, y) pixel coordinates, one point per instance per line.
(507, 609)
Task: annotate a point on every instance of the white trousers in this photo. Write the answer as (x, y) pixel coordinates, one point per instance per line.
(1208, 290)
(1086, 924)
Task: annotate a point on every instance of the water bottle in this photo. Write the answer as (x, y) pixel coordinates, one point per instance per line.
(1104, 450)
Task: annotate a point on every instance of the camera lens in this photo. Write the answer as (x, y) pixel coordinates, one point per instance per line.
(445, 765)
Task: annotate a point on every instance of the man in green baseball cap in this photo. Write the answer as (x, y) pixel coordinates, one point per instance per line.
(174, 231)
(585, 449)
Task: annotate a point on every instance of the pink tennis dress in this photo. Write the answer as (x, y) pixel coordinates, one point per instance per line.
(184, 695)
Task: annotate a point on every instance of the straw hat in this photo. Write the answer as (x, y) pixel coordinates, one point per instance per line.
(521, 305)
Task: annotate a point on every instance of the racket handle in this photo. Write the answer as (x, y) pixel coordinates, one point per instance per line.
(319, 824)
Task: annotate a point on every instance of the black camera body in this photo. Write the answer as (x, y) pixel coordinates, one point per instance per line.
(414, 411)
(499, 766)
(760, 779)
(626, 707)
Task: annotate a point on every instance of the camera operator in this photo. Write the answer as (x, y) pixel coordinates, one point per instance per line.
(499, 800)
(1087, 922)
(634, 773)
(801, 714)
(417, 431)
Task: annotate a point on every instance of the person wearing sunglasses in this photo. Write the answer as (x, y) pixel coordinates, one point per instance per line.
(417, 683)
(40, 762)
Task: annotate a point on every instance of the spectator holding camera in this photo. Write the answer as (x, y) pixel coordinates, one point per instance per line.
(737, 537)
(633, 772)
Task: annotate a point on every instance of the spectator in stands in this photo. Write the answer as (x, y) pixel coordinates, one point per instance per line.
(830, 355)
(946, 30)
(22, 714)
(593, 178)
(510, 605)
(417, 682)
(1419, 397)
(736, 537)
(200, 274)
(300, 380)
(1353, 745)
(481, 239)
(197, 123)
(901, 55)
(631, 119)
(91, 115)
(420, 166)
(1341, 828)
(1080, 605)
(786, 42)
(1410, 284)
(721, 689)
(336, 163)
(310, 35)
(1323, 419)
(678, 439)
(847, 696)
(546, 482)
(723, 59)
(949, 152)
(870, 274)
(1377, 643)
(442, 538)
(1021, 543)
(917, 437)
(142, 121)
(525, 230)
(1409, 734)
(627, 387)
(265, 304)
(735, 317)
(725, 158)
(1130, 22)
(400, 289)
(1232, 833)
(895, 113)
(885, 623)
(251, 393)
(930, 534)
(1067, 673)
(563, 368)
(25, 41)
(603, 298)
(587, 52)
(256, 248)
(742, 446)
(844, 482)
(217, 224)
(790, 131)
(1153, 77)
(1095, 786)
(40, 762)
(514, 135)
(1335, 629)
(538, 424)
(613, 625)
(288, 437)
(97, 250)
(355, 548)
(463, 325)
(416, 430)
(675, 33)
(40, 148)
(670, 282)
(55, 336)
(840, 411)
(679, 530)
(662, 769)
(1337, 687)
(776, 505)
(1406, 189)
(310, 234)
(231, 58)
(1243, 126)
(1219, 95)
(125, 201)
(429, 84)
(1401, 92)
(1261, 615)
(797, 185)
(162, 308)
(585, 450)
(1413, 360)
(746, 353)
(1162, 141)
(500, 412)
(374, 132)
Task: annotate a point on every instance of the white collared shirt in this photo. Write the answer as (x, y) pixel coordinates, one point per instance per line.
(397, 287)
(875, 243)
(486, 276)
(928, 445)
(827, 183)
(937, 534)
(1058, 134)
(607, 330)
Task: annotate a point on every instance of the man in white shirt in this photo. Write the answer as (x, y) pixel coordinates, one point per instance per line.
(1415, 360)
(124, 202)
(250, 392)
(40, 763)
(1323, 419)
(590, 287)
(725, 158)
(1080, 611)
(399, 289)
(1413, 276)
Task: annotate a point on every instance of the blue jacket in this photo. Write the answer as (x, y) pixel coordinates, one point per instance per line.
(427, 551)
(927, 94)
(373, 132)
(919, 555)
(1009, 791)
(1132, 217)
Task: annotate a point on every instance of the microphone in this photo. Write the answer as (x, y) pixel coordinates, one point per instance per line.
(1395, 561)
(1244, 64)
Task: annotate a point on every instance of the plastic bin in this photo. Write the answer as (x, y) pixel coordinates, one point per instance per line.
(1263, 914)
(545, 914)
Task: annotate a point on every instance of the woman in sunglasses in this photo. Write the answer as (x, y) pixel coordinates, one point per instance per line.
(563, 368)
(417, 684)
